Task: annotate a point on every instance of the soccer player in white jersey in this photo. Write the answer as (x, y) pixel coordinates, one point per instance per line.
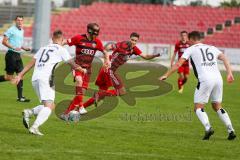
(45, 61)
(204, 58)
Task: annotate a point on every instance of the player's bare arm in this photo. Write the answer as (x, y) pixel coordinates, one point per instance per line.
(106, 61)
(173, 69)
(227, 65)
(149, 56)
(108, 47)
(24, 71)
(8, 45)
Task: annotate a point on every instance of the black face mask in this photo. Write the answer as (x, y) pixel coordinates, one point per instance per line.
(93, 32)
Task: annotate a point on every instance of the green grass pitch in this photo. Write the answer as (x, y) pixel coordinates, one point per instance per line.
(112, 137)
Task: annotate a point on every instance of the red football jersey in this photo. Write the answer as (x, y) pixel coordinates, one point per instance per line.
(85, 49)
(121, 53)
(180, 47)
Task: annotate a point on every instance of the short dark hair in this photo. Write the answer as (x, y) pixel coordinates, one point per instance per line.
(57, 34)
(92, 25)
(134, 34)
(195, 35)
(183, 32)
(18, 16)
(92, 30)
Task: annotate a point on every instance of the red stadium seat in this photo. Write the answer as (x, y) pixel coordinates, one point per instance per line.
(155, 23)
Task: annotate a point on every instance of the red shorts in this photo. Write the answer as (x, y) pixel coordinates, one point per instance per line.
(85, 77)
(108, 79)
(184, 70)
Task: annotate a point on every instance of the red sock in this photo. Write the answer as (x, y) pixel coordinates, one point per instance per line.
(89, 102)
(73, 105)
(112, 92)
(80, 100)
(102, 94)
(180, 83)
(77, 100)
(79, 93)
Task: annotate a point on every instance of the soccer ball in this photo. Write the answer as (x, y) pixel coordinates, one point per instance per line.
(74, 116)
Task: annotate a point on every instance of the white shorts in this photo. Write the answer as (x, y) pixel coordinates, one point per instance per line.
(212, 89)
(43, 90)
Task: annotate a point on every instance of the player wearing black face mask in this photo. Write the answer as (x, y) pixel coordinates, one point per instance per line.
(86, 46)
(93, 30)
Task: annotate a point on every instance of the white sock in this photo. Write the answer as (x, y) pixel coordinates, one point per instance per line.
(37, 109)
(223, 115)
(42, 117)
(203, 117)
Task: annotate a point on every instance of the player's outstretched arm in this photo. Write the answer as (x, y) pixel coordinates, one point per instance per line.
(24, 71)
(227, 65)
(149, 56)
(173, 69)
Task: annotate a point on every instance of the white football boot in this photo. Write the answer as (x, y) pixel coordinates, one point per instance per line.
(82, 110)
(35, 131)
(27, 114)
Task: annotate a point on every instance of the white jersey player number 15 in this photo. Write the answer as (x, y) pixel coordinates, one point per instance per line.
(46, 60)
(44, 57)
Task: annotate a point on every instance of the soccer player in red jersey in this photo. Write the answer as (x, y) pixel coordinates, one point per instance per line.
(121, 53)
(86, 47)
(183, 71)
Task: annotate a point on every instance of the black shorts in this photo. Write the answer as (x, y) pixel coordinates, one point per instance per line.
(13, 62)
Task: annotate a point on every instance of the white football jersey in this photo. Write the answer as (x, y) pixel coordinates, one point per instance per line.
(204, 61)
(46, 60)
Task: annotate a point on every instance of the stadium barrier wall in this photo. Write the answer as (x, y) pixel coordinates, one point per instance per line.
(166, 51)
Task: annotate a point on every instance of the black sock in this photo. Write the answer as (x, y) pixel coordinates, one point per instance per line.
(20, 89)
(2, 78)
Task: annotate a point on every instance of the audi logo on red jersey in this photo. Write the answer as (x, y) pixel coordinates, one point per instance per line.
(88, 52)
